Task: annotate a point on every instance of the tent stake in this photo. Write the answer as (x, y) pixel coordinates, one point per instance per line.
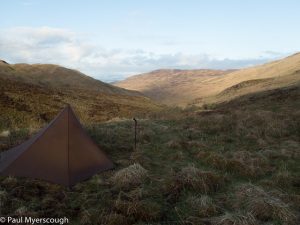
(135, 127)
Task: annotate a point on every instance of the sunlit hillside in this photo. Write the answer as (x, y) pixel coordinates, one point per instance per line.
(184, 87)
(31, 95)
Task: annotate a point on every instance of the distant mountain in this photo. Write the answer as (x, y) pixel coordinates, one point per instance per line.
(31, 95)
(202, 86)
(171, 86)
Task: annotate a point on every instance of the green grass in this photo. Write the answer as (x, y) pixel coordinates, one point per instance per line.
(234, 165)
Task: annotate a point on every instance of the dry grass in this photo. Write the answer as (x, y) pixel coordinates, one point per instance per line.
(145, 210)
(129, 177)
(202, 154)
(114, 219)
(243, 163)
(32, 104)
(10, 182)
(21, 211)
(24, 211)
(3, 200)
(247, 164)
(85, 217)
(216, 160)
(236, 219)
(284, 178)
(170, 86)
(191, 177)
(184, 86)
(263, 205)
(262, 124)
(203, 205)
(175, 144)
(223, 149)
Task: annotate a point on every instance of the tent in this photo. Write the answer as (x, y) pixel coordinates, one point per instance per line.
(61, 153)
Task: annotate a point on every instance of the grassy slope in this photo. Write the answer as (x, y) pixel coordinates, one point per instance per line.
(171, 86)
(192, 87)
(251, 86)
(237, 164)
(54, 76)
(33, 95)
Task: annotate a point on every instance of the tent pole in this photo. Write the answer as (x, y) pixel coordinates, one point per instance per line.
(135, 127)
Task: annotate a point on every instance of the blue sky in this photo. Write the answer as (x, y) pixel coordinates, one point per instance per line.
(113, 39)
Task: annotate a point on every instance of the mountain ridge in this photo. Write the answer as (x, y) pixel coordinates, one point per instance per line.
(44, 74)
(31, 95)
(183, 88)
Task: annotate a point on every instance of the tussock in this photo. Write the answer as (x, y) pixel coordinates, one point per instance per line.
(202, 154)
(284, 178)
(129, 177)
(10, 182)
(146, 210)
(85, 217)
(178, 155)
(114, 219)
(247, 164)
(3, 200)
(48, 202)
(174, 144)
(263, 205)
(217, 161)
(243, 163)
(203, 205)
(21, 211)
(137, 156)
(202, 181)
(4, 133)
(235, 219)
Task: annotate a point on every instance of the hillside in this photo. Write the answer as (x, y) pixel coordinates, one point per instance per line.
(31, 95)
(54, 76)
(200, 89)
(171, 86)
(235, 164)
(251, 87)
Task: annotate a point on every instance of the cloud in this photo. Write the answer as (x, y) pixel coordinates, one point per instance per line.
(66, 48)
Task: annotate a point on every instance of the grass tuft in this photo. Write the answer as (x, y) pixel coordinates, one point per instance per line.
(191, 177)
(236, 219)
(263, 205)
(129, 177)
(114, 219)
(203, 205)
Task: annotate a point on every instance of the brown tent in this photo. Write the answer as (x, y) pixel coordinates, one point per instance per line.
(61, 153)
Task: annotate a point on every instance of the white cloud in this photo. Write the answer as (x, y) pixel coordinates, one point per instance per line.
(66, 48)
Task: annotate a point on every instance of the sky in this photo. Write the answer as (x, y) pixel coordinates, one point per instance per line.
(113, 39)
